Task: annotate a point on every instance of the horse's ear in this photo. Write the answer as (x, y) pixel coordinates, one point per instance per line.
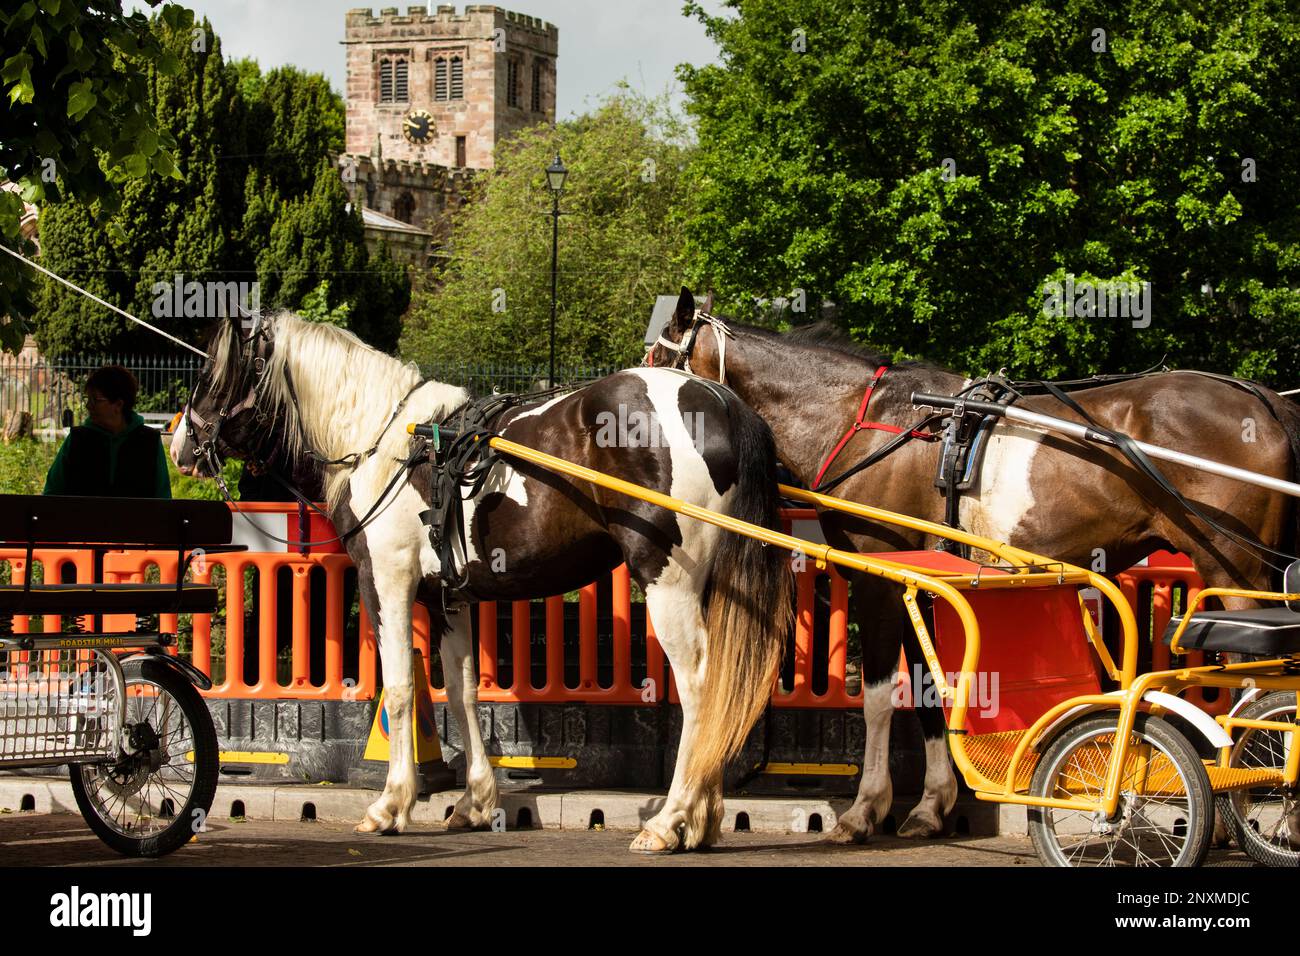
(244, 326)
(212, 338)
(684, 314)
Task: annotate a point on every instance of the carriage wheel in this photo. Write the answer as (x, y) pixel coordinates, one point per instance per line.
(153, 801)
(1166, 811)
(1265, 821)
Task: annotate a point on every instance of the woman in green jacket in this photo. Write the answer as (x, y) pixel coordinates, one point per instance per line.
(113, 453)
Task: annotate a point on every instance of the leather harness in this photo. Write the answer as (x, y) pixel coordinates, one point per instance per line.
(860, 424)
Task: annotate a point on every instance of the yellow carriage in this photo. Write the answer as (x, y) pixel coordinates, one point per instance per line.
(1108, 777)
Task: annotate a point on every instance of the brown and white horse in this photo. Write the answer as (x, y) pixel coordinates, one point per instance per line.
(720, 602)
(1083, 504)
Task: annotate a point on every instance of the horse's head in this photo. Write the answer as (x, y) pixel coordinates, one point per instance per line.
(222, 418)
(681, 344)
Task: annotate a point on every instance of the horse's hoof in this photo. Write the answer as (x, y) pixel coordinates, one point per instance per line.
(461, 821)
(920, 826)
(371, 825)
(844, 836)
(649, 843)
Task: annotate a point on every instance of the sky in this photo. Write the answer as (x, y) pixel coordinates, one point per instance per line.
(601, 41)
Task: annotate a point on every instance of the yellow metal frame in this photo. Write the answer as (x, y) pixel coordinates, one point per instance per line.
(1019, 569)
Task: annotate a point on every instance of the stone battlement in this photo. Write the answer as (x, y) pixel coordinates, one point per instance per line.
(484, 14)
(407, 167)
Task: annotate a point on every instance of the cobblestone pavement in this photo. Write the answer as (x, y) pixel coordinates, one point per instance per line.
(64, 840)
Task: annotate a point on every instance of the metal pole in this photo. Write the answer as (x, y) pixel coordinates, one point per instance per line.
(1084, 433)
(555, 253)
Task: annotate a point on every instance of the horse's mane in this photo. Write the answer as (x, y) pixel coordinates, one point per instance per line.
(342, 393)
(829, 337)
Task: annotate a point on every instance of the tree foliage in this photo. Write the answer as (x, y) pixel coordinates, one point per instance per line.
(260, 200)
(74, 123)
(316, 255)
(1144, 140)
(619, 243)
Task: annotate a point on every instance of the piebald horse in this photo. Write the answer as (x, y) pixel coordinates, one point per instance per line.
(720, 602)
(1044, 493)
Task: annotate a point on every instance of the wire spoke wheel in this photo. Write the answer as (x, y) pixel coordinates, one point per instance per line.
(1165, 814)
(153, 800)
(1265, 821)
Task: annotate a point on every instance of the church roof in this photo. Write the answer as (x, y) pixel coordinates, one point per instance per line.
(374, 219)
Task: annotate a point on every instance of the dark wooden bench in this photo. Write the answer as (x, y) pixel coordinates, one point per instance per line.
(112, 524)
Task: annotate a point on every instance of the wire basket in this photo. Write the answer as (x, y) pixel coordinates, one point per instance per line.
(58, 706)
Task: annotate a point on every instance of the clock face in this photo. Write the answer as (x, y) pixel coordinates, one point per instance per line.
(418, 128)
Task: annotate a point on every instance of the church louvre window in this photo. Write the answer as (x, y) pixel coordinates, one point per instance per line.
(537, 86)
(512, 83)
(393, 87)
(399, 78)
(440, 79)
(448, 78)
(457, 78)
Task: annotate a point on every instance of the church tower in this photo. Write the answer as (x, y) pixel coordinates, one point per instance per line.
(445, 88)
(429, 95)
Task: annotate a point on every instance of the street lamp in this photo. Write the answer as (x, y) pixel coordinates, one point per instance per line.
(555, 176)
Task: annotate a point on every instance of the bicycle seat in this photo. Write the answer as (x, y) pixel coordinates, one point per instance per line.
(1270, 631)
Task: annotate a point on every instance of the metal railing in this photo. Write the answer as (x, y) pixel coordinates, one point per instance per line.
(46, 387)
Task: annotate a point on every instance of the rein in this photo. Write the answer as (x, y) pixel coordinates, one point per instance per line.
(861, 424)
(1138, 458)
(209, 449)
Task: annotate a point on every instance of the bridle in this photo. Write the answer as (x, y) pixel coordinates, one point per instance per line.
(255, 352)
(684, 347)
(209, 449)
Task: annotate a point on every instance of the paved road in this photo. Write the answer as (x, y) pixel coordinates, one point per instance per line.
(64, 840)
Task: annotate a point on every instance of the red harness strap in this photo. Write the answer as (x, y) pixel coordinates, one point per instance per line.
(859, 424)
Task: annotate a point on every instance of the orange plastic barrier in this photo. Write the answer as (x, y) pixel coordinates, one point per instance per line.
(1152, 590)
(320, 658)
(623, 689)
(133, 566)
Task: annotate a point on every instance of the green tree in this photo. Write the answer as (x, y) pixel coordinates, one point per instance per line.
(1141, 140)
(261, 200)
(74, 124)
(296, 122)
(619, 243)
(168, 226)
(74, 245)
(316, 252)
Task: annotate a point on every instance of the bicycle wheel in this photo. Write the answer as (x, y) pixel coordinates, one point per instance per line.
(153, 801)
(1265, 821)
(1165, 815)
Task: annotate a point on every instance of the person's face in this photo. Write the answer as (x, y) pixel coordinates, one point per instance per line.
(107, 415)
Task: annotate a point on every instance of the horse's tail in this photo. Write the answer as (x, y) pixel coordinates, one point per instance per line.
(749, 608)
